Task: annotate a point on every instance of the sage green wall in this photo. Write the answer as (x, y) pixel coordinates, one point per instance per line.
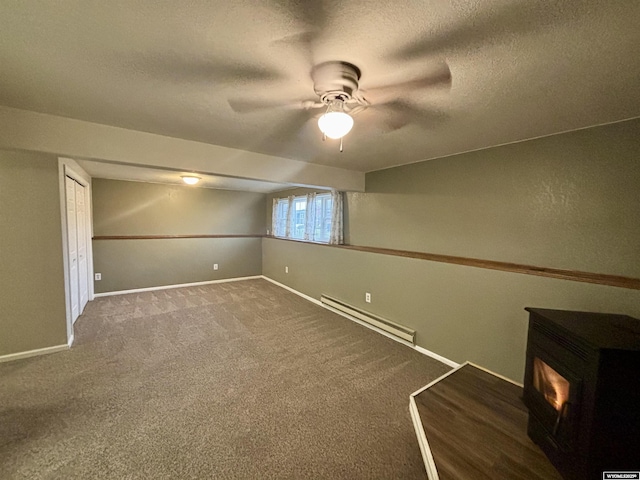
(568, 201)
(136, 208)
(31, 264)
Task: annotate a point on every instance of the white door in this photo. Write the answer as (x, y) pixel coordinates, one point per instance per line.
(83, 269)
(72, 240)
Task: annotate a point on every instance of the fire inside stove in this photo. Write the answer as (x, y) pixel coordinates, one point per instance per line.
(553, 386)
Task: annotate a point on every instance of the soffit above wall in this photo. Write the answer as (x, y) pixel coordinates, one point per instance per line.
(79, 140)
(155, 175)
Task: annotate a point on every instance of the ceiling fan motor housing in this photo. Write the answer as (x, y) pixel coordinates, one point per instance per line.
(335, 81)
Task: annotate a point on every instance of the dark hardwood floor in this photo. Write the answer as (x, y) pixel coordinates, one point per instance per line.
(476, 426)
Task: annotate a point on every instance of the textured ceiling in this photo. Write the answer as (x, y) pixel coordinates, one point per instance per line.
(519, 69)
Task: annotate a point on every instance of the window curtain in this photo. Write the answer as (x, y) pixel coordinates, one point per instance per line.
(336, 219)
(287, 232)
(310, 218)
(275, 217)
(279, 217)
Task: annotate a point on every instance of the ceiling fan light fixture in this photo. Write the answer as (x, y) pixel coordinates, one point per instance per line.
(190, 179)
(335, 123)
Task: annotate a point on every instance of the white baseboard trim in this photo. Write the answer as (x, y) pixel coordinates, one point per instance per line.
(435, 356)
(424, 351)
(502, 377)
(180, 285)
(33, 353)
(300, 294)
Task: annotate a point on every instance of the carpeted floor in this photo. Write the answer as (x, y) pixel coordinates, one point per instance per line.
(236, 380)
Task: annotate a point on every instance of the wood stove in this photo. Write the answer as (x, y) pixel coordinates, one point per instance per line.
(582, 389)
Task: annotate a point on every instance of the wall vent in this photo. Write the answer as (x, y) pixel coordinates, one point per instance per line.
(388, 326)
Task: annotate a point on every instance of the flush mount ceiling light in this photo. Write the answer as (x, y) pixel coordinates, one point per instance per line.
(335, 123)
(190, 179)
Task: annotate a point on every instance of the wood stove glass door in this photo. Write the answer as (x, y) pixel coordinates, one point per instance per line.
(553, 386)
(559, 392)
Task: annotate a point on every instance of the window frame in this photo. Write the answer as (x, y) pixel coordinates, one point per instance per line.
(297, 228)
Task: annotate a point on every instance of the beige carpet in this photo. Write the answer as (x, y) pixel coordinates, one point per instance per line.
(235, 380)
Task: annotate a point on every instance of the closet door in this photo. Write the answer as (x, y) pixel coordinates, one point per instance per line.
(72, 242)
(83, 270)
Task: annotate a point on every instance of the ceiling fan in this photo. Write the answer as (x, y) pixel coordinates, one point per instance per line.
(336, 84)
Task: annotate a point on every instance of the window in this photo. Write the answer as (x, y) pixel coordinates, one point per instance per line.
(307, 217)
(299, 217)
(322, 227)
(280, 218)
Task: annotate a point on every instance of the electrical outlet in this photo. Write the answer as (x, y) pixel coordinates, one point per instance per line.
(215, 266)
(286, 269)
(98, 276)
(367, 297)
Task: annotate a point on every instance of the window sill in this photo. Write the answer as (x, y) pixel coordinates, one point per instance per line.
(296, 240)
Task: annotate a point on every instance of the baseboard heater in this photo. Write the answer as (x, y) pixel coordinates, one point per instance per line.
(388, 326)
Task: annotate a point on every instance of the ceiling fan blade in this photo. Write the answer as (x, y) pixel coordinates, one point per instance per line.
(201, 69)
(303, 42)
(439, 76)
(280, 138)
(311, 15)
(304, 39)
(249, 106)
(478, 28)
(397, 114)
(293, 123)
